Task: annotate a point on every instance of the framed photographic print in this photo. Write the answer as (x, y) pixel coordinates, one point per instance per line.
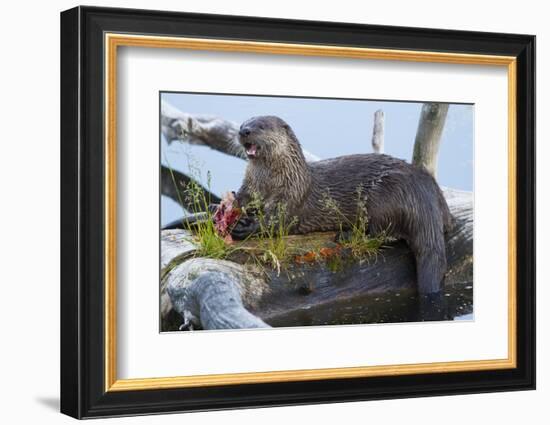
(262, 212)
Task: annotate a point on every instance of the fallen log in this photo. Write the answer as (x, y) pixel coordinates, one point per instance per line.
(214, 294)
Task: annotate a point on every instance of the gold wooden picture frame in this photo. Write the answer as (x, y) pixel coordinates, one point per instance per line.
(90, 384)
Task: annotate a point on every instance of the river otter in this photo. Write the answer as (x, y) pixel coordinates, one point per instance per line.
(401, 199)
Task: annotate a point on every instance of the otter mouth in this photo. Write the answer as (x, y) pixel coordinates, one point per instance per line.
(251, 150)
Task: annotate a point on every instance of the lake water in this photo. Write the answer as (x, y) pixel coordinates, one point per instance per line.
(389, 307)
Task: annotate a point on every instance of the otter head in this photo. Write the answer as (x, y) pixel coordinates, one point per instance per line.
(267, 138)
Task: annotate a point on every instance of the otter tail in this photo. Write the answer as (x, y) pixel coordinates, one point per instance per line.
(428, 244)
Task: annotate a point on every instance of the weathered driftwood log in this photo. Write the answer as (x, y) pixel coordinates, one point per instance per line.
(428, 135)
(214, 294)
(211, 131)
(216, 133)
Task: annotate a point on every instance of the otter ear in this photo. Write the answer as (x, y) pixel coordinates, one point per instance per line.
(289, 131)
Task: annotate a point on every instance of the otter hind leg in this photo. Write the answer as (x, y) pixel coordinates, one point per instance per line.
(426, 238)
(430, 271)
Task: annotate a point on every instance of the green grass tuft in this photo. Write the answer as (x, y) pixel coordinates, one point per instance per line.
(209, 242)
(358, 242)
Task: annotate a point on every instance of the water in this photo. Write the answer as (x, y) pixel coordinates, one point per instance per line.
(456, 303)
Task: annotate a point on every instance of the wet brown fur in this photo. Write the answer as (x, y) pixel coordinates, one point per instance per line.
(401, 199)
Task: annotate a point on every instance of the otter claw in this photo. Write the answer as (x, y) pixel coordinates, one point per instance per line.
(245, 227)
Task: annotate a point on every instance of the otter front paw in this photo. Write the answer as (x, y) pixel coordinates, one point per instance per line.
(245, 227)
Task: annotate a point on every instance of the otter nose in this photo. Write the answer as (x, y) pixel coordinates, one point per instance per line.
(244, 132)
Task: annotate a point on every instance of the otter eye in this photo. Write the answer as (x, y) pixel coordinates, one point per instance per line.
(262, 127)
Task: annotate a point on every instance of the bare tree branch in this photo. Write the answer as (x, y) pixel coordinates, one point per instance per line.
(173, 184)
(378, 132)
(428, 135)
(215, 132)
